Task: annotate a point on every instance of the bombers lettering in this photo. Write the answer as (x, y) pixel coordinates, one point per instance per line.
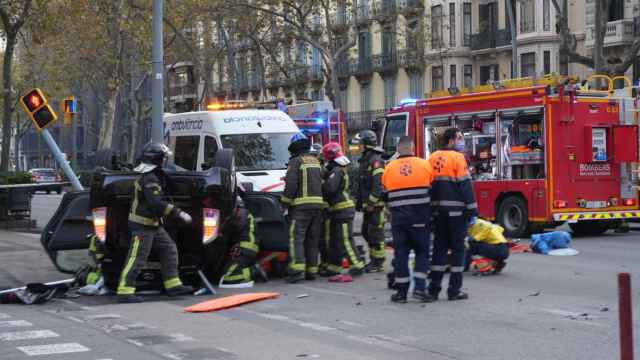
(234, 119)
(186, 125)
(595, 169)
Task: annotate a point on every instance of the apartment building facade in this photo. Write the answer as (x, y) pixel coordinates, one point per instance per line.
(416, 49)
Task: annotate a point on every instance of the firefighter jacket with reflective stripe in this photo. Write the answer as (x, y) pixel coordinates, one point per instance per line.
(407, 181)
(303, 183)
(451, 190)
(148, 206)
(369, 180)
(335, 190)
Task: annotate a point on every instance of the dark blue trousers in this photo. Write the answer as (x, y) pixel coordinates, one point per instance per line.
(407, 238)
(450, 232)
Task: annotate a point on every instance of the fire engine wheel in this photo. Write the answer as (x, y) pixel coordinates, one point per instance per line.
(513, 216)
(589, 228)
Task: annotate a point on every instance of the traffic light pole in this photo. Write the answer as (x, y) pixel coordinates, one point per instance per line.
(57, 155)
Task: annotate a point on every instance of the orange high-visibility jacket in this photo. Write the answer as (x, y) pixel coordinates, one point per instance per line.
(451, 190)
(407, 181)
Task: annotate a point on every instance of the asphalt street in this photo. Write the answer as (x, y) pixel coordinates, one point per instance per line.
(541, 307)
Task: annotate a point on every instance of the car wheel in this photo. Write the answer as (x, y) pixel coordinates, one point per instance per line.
(513, 216)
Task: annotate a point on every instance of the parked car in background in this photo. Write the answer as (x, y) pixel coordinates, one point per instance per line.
(49, 178)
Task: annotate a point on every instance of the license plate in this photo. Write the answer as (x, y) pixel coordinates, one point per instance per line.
(595, 204)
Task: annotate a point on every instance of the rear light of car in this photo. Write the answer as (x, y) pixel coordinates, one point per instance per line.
(559, 204)
(210, 225)
(34, 178)
(629, 202)
(58, 178)
(100, 223)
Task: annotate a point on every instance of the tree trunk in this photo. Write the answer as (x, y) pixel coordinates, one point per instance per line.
(600, 29)
(108, 121)
(7, 80)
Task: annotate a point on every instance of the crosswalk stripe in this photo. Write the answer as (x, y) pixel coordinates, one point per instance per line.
(14, 323)
(27, 335)
(51, 349)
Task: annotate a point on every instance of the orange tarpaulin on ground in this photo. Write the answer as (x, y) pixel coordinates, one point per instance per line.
(230, 301)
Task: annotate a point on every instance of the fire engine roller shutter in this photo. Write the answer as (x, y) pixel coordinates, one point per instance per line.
(625, 143)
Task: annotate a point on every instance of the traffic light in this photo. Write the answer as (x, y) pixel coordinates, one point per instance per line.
(36, 106)
(69, 109)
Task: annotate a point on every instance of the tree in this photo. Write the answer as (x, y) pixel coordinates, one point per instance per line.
(13, 14)
(613, 64)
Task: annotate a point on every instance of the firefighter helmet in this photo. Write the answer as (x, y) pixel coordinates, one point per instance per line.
(331, 151)
(299, 142)
(367, 138)
(155, 153)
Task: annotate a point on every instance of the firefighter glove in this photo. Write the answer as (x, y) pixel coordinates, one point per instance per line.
(184, 217)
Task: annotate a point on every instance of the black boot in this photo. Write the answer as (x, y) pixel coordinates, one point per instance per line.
(130, 299)
(399, 297)
(293, 278)
(180, 290)
(375, 266)
(460, 296)
(423, 296)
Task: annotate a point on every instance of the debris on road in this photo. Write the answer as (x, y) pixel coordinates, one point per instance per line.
(302, 296)
(604, 309)
(545, 242)
(230, 301)
(537, 293)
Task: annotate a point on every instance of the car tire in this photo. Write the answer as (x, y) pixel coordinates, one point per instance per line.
(513, 216)
(589, 228)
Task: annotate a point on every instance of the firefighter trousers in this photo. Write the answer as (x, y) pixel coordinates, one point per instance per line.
(143, 241)
(373, 233)
(406, 238)
(325, 239)
(450, 232)
(343, 246)
(304, 236)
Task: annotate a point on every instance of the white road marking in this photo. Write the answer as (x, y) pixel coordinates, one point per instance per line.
(4, 316)
(31, 235)
(51, 349)
(181, 337)
(27, 335)
(15, 323)
(327, 291)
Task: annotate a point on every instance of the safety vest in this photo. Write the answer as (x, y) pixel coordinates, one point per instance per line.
(369, 179)
(335, 190)
(148, 206)
(303, 183)
(451, 189)
(407, 181)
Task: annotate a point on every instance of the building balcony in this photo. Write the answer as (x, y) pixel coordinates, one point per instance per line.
(411, 7)
(411, 59)
(385, 10)
(341, 21)
(490, 39)
(364, 15)
(315, 74)
(621, 32)
(360, 120)
(385, 63)
(221, 88)
(178, 92)
(362, 67)
(343, 69)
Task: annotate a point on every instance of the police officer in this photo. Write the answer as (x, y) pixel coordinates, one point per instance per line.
(455, 206)
(145, 222)
(335, 190)
(369, 197)
(303, 198)
(407, 181)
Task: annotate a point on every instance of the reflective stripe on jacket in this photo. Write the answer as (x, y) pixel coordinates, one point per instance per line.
(335, 190)
(369, 179)
(303, 183)
(451, 190)
(148, 205)
(408, 182)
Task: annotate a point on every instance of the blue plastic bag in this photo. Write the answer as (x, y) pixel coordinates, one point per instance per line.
(545, 242)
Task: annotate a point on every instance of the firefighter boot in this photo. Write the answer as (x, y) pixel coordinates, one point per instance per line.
(423, 296)
(401, 295)
(129, 299)
(461, 296)
(293, 278)
(180, 290)
(375, 265)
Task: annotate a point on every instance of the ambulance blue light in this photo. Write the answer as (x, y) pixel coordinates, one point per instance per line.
(408, 101)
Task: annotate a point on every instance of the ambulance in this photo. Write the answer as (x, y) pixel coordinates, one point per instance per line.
(259, 139)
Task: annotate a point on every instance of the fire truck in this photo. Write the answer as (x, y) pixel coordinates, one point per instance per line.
(320, 122)
(540, 153)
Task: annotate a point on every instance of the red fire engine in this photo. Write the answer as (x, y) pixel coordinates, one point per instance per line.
(320, 122)
(538, 154)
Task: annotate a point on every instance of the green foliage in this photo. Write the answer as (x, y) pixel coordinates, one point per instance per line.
(20, 177)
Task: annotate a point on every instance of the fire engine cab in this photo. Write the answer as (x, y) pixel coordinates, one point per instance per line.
(539, 153)
(320, 122)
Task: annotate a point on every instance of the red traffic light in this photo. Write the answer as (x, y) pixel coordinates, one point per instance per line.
(33, 100)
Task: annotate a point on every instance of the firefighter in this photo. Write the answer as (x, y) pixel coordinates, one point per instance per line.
(455, 208)
(241, 227)
(335, 190)
(369, 200)
(145, 222)
(407, 181)
(302, 198)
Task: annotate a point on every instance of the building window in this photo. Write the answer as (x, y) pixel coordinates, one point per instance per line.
(389, 92)
(528, 64)
(468, 76)
(415, 85)
(364, 45)
(488, 14)
(436, 78)
(466, 23)
(365, 97)
(616, 10)
(436, 27)
(546, 60)
(452, 24)
(453, 81)
(343, 99)
(546, 15)
(527, 16)
(412, 35)
(488, 73)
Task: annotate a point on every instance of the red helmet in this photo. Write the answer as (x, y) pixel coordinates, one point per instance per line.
(331, 151)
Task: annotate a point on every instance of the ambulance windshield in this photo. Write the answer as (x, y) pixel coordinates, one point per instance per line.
(255, 152)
